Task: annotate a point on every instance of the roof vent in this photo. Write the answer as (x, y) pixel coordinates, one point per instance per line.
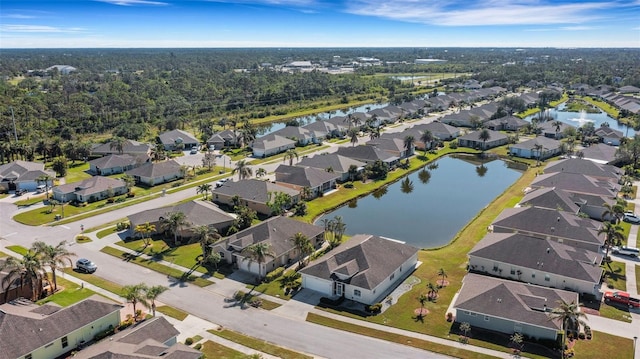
(548, 250)
(558, 218)
(499, 300)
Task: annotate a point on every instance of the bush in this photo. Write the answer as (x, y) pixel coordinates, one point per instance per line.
(581, 335)
(110, 200)
(198, 346)
(274, 274)
(348, 185)
(374, 308)
(188, 341)
(131, 194)
(121, 226)
(120, 199)
(453, 144)
(82, 204)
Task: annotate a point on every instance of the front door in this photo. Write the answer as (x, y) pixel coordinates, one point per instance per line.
(338, 289)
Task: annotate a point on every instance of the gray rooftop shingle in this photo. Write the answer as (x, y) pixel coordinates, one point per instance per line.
(253, 190)
(304, 176)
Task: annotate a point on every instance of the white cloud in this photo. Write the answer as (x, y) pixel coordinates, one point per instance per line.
(134, 2)
(295, 3)
(578, 28)
(491, 12)
(37, 28)
(19, 16)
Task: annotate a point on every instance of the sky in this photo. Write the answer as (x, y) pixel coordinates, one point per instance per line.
(318, 23)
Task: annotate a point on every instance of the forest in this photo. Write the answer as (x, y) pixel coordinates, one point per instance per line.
(137, 93)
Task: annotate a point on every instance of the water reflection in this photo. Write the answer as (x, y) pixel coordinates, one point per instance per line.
(424, 175)
(481, 170)
(378, 193)
(406, 185)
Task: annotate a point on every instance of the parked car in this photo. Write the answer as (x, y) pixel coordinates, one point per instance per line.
(622, 298)
(20, 192)
(627, 251)
(86, 266)
(631, 217)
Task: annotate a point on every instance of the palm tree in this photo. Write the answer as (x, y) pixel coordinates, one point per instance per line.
(205, 236)
(26, 271)
(152, 293)
(422, 299)
(144, 230)
(613, 235)
(614, 211)
(409, 141)
(465, 327)
(306, 193)
(427, 138)
(442, 274)
(243, 170)
(433, 291)
(353, 136)
(538, 149)
(135, 294)
(204, 190)
(303, 245)
(48, 182)
(174, 223)
(352, 171)
(570, 317)
(258, 253)
(558, 125)
(54, 257)
(484, 135)
(117, 143)
(261, 172)
(290, 154)
(339, 227)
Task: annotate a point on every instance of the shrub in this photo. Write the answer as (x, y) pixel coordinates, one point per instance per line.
(274, 274)
(131, 194)
(581, 335)
(110, 200)
(449, 317)
(374, 308)
(348, 185)
(188, 341)
(81, 204)
(198, 346)
(120, 199)
(453, 144)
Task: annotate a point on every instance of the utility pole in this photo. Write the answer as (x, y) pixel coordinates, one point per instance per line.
(15, 132)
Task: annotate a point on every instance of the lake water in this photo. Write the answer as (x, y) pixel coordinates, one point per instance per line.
(432, 213)
(578, 119)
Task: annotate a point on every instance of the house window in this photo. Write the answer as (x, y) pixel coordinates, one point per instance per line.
(533, 275)
(547, 277)
(65, 342)
(356, 292)
(486, 318)
(28, 356)
(392, 276)
(513, 271)
(221, 254)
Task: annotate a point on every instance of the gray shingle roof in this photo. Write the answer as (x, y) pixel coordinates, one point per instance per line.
(276, 231)
(304, 176)
(198, 213)
(129, 146)
(271, 141)
(114, 160)
(548, 222)
(22, 333)
(556, 258)
(574, 182)
(365, 259)
(335, 161)
(253, 190)
(156, 169)
(172, 137)
(90, 186)
(475, 136)
(585, 167)
(546, 142)
(550, 198)
(600, 153)
(366, 154)
(510, 300)
(22, 171)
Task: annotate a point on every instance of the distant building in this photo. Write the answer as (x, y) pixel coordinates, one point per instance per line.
(428, 61)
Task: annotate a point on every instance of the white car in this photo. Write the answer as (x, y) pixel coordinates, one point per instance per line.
(631, 218)
(86, 266)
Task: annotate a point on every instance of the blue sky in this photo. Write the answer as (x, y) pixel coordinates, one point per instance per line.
(319, 23)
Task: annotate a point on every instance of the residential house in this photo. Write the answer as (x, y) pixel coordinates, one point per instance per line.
(368, 154)
(23, 175)
(439, 130)
(507, 123)
(113, 164)
(546, 263)
(129, 147)
(252, 193)
(609, 136)
(593, 205)
(48, 331)
(152, 338)
(554, 129)
(197, 213)
(395, 146)
(550, 198)
(301, 135)
(510, 307)
(365, 269)
(332, 162)
(178, 140)
(298, 177)
(472, 140)
(155, 173)
(89, 190)
(577, 183)
(560, 226)
(538, 148)
(323, 129)
(600, 153)
(223, 139)
(276, 232)
(270, 145)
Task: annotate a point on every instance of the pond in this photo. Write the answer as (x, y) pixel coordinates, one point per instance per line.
(578, 119)
(428, 207)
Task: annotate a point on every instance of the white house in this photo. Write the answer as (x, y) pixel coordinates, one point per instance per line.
(365, 269)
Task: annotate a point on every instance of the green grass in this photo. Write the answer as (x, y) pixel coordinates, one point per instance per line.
(602, 345)
(259, 345)
(77, 172)
(2, 254)
(273, 289)
(172, 312)
(214, 350)
(300, 150)
(615, 274)
(71, 293)
(397, 338)
(185, 256)
(615, 313)
(18, 249)
(30, 200)
(82, 239)
(155, 266)
(96, 280)
(610, 110)
(105, 232)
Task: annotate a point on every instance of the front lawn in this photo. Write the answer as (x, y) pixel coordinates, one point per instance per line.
(214, 350)
(615, 275)
(68, 293)
(603, 345)
(96, 280)
(172, 312)
(18, 249)
(615, 312)
(259, 345)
